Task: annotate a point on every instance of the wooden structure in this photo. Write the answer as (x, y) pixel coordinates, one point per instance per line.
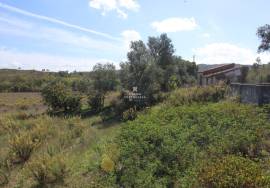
(226, 72)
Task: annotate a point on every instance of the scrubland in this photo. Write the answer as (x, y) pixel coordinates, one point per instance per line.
(196, 137)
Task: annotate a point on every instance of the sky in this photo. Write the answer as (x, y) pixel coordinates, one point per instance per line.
(76, 34)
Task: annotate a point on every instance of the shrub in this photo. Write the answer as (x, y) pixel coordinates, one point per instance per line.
(129, 114)
(96, 101)
(162, 148)
(21, 147)
(266, 108)
(47, 170)
(232, 171)
(61, 99)
(197, 94)
(107, 164)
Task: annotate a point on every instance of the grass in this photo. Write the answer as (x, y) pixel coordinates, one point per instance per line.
(14, 102)
(180, 142)
(79, 142)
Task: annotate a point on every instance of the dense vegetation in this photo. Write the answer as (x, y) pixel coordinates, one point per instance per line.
(259, 73)
(178, 143)
(35, 81)
(183, 146)
(153, 68)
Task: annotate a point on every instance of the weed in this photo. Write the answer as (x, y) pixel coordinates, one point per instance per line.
(21, 147)
(47, 170)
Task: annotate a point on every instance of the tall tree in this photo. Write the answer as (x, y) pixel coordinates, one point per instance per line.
(154, 68)
(162, 49)
(264, 34)
(138, 60)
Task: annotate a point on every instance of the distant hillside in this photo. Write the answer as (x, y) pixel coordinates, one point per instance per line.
(33, 81)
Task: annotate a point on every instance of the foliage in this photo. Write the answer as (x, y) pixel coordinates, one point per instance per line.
(82, 85)
(47, 170)
(129, 114)
(244, 72)
(104, 78)
(232, 171)
(191, 95)
(263, 33)
(153, 68)
(21, 147)
(73, 139)
(96, 101)
(259, 73)
(61, 99)
(107, 164)
(35, 81)
(164, 147)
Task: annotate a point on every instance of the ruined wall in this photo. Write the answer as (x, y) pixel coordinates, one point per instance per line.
(252, 93)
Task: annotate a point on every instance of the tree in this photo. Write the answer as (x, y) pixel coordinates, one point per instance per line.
(155, 68)
(162, 49)
(60, 98)
(105, 78)
(264, 34)
(244, 72)
(138, 60)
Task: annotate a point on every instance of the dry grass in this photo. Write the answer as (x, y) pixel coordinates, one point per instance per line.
(27, 102)
(74, 139)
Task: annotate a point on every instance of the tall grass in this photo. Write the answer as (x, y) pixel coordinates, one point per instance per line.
(196, 94)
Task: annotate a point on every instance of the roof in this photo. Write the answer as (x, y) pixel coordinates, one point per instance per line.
(222, 72)
(219, 69)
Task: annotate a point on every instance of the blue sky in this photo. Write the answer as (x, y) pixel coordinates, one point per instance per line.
(74, 35)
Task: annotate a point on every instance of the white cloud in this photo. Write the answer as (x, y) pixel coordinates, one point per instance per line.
(55, 21)
(58, 36)
(175, 25)
(61, 37)
(120, 6)
(128, 36)
(129, 4)
(206, 35)
(39, 61)
(218, 53)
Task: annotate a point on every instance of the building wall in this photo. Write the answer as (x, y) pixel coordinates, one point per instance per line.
(252, 93)
(232, 76)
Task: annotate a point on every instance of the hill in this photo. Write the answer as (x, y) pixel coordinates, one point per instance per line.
(33, 81)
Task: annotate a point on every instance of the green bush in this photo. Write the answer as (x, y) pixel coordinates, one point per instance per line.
(197, 94)
(96, 101)
(232, 171)
(48, 170)
(129, 114)
(163, 148)
(61, 99)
